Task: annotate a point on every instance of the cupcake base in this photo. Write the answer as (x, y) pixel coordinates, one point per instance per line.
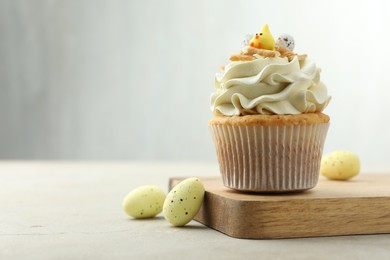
(270, 153)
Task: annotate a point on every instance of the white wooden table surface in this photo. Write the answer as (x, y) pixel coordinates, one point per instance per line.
(72, 210)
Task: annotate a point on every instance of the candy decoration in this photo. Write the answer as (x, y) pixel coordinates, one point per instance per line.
(144, 202)
(263, 39)
(183, 202)
(247, 40)
(340, 165)
(287, 41)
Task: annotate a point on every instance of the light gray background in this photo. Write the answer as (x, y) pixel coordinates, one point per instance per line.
(87, 79)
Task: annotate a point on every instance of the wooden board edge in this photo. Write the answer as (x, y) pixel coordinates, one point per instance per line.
(228, 220)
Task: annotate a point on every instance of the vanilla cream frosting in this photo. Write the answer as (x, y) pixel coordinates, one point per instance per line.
(269, 86)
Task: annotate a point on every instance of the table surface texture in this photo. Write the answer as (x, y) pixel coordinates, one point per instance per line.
(72, 210)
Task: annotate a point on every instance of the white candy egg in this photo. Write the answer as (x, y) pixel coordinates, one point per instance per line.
(183, 201)
(144, 202)
(340, 165)
(247, 39)
(287, 41)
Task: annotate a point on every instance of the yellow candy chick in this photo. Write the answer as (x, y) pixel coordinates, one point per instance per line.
(263, 39)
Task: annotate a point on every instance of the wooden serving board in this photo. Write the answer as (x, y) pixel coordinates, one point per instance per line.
(332, 208)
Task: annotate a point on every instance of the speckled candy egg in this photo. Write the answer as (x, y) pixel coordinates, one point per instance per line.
(287, 41)
(144, 202)
(247, 40)
(183, 202)
(340, 165)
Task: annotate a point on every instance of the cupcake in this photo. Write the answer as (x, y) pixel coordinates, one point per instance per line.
(268, 126)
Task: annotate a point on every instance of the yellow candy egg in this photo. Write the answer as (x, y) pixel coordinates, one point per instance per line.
(144, 202)
(340, 165)
(183, 202)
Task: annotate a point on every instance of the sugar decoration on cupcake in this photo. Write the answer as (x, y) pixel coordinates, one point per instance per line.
(263, 44)
(287, 41)
(263, 39)
(247, 39)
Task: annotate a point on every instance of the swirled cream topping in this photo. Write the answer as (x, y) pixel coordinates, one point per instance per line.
(271, 85)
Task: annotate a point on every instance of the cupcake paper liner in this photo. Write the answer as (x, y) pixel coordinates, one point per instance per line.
(269, 158)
